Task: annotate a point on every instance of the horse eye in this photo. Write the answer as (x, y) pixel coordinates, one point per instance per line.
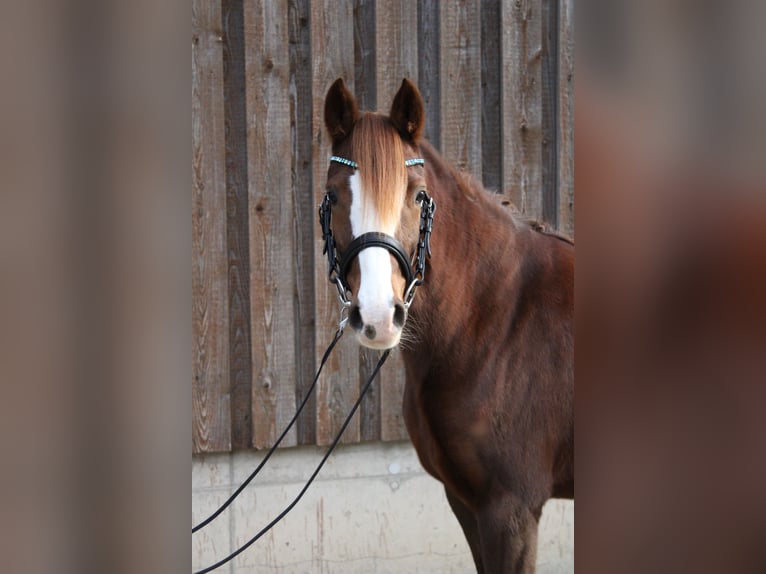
(333, 197)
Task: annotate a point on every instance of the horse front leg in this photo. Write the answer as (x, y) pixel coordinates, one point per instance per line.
(470, 528)
(508, 536)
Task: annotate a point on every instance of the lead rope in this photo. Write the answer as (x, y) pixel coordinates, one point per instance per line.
(335, 441)
(209, 519)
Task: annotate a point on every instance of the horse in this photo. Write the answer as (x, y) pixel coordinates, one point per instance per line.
(485, 328)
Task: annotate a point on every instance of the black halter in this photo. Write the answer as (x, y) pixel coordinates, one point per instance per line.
(413, 268)
(375, 239)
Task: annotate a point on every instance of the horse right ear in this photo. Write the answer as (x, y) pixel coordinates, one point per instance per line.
(408, 113)
(340, 111)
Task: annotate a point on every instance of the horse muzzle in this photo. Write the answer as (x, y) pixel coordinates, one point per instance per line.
(376, 314)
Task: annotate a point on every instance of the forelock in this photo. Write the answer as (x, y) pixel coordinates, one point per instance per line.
(377, 150)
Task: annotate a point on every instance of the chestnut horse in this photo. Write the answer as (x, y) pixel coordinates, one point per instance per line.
(487, 343)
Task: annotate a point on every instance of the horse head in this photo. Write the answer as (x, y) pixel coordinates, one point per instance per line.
(375, 196)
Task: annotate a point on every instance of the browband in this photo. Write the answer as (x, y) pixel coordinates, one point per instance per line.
(348, 162)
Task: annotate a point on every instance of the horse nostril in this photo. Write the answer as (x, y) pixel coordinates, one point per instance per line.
(369, 332)
(399, 315)
(355, 318)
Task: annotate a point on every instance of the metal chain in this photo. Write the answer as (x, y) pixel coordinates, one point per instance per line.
(427, 210)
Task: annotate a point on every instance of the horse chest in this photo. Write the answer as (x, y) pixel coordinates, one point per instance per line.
(449, 440)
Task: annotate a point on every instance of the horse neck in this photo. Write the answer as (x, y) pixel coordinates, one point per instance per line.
(473, 268)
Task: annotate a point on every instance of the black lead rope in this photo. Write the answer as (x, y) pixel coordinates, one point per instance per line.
(335, 441)
(209, 519)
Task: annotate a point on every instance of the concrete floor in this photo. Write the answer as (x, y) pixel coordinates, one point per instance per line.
(372, 509)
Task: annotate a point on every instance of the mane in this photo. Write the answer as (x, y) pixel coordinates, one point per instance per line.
(535, 224)
(472, 188)
(377, 149)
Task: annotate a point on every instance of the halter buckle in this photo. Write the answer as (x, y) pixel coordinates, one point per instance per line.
(343, 316)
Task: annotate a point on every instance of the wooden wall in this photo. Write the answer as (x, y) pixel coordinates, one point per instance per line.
(497, 80)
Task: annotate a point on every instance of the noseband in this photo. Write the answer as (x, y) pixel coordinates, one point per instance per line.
(412, 267)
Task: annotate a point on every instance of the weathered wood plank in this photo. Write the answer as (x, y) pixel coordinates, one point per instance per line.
(211, 407)
(332, 46)
(396, 55)
(396, 48)
(305, 209)
(549, 83)
(271, 221)
(491, 73)
(392, 380)
(429, 44)
(370, 409)
(522, 115)
(460, 74)
(365, 87)
(235, 118)
(566, 117)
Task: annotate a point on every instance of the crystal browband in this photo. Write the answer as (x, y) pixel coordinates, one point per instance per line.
(348, 162)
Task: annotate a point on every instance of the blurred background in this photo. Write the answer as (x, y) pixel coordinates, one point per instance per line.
(671, 318)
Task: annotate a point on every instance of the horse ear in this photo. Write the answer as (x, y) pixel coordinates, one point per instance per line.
(340, 111)
(408, 113)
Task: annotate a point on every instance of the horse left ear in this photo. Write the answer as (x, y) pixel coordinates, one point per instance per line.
(408, 113)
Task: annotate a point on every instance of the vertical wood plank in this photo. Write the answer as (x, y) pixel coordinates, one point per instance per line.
(429, 44)
(305, 208)
(370, 409)
(491, 73)
(522, 121)
(237, 225)
(332, 46)
(549, 84)
(211, 408)
(364, 55)
(271, 220)
(396, 55)
(396, 48)
(566, 117)
(460, 57)
(392, 380)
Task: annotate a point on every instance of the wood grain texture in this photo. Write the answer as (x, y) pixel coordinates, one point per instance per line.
(522, 114)
(549, 92)
(332, 47)
(460, 61)
(237, 225)
(370, 409)
(305, 209)
(392, 381)
(491, 88)
(429, 48)
(211, 407)
(396, 56)
(566, 117)
(396, 49)
(365, 87)
(272, 241)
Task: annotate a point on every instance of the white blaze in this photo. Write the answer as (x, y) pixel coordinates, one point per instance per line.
(376, 295)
